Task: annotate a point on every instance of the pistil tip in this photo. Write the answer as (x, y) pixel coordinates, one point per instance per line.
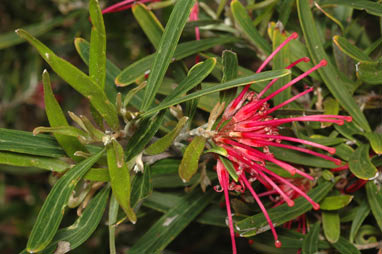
(305, 59)
(278, 244)
(316, 206)
(294, 35)
(290, 203)
(348, 118)
(332, 150)
(323, 62)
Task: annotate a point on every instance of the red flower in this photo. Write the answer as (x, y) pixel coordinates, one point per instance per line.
(247, 130)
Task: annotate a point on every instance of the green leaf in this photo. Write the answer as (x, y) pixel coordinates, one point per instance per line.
(77, 79)
(349, 49)
(281, 214)
(165, 142)
(63, 130)
(374, 196)
(137, 69)
(27, 143)
(218, 150)
(195, 76)
(112, 219)
(149, 23)
(252, 79)
(120, 178)
(310, 243)
(190, 161)
(335, 202)
(230, 71)
(142, 186)
(57, 118)
(360, 164)
(331, 107)
(329, 73)
(244, 21)
(147, 129)
(375, 140)
(229, 167)
(362, 212)
(173, 222)
(369, 6)
(331, 226)
(84, 226)
(22, 160)
(370, 72)
(344, 247)
(280, 61)
(52, 211)
(97, 60)
(11, 39)
(166, 50)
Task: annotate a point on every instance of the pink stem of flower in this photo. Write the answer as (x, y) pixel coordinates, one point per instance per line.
(331, 150)
(304, 150)
(193, 17)
(267, 60)
(344, 167)
(305, 59)
(266, 215)
(124, 5)
(291, 185)
(247, 111)
(267, 193)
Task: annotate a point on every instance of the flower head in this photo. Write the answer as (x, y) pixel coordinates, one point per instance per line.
(247, 130)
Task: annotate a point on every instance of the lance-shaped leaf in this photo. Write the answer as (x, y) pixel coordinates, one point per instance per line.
(369, 6)
(149, 23)
(57, 118)
(335, 202)
(344, 247)
(97, 60)
(360, 164)
(27, 143)
(165, 142)
(349, 49)
(281, 214)
(190, 161)
(310, 243)
(243, 19)
(64, 130)
(166, 49)
(173, 222)
(370, 72)
(120, 178)
(329, 73)
(230, 71)
(374, 196)
(142, 186)
(52, 211)
(77, 79)
(252, 79)
(112, 220)
(229, 167)
(375, 140)
(331, 226)
(137, 69)
(362, 212)
(23, 160)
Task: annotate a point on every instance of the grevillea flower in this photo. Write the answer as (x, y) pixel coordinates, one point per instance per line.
(247, 130)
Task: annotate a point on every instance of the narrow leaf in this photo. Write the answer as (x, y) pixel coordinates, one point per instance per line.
(112, 219)
(62, 130)
(52, 211)
(165, 142)
(173, 222)
(344, 247)
(120, 178)
(142, 186)
(190, 161)
(370, 72)
(166, 49)
(252, 79)
(360, 164)
(77, 79)
(97, 60)
(137, 69)
(57, 118)
(371, 7)
(362, 212)
(335, 202)
(331, 226)
(349, 49)
(329, 74)
(244, 21)
(231, 170)
(374, 196)
(310, 243)
(375, 140)
(230, 71)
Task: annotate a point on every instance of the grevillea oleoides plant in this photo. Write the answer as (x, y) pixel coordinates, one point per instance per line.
(283, 159)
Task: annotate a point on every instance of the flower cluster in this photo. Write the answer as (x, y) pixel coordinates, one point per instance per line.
(247, 130)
